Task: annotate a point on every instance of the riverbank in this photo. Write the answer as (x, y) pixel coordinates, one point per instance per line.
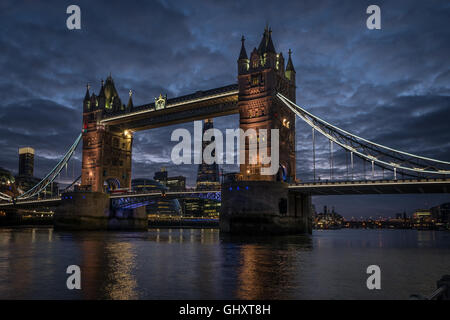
(152, 223)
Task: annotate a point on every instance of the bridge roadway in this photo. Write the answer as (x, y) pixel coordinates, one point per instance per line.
(410, 186)
(407, 186)
(54, 201)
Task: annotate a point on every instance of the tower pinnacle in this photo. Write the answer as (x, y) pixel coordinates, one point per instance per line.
(290, 65)
(243, 53)
(130, 100)
(86, 97)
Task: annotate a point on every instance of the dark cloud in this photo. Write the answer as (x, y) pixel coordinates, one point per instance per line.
(391, 85)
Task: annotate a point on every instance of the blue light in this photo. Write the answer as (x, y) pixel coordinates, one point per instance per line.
(231, 188)
(237, 188)
(246, 187)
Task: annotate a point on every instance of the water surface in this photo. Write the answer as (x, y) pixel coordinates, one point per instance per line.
(202, 264)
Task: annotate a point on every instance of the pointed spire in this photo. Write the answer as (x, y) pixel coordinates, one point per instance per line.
(290, 65)
(102, 90)
(262, 44)
(243, 54)
(86, 97)
(130, 100)
(266, 44)
(270, 46)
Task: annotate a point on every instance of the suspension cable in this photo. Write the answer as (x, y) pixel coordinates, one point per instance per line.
(48, 179)
(303, 114)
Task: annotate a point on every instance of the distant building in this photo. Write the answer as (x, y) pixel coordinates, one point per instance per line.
(195, 207)
(211, 208)
(327, 219)
(161, 176)
(192, 207)
(177, 183)
(159, 206)
(441, 212)
(207, 174)
(26, 180)
(207, 179)
(423, 219)
(26, 161)
(422, 214)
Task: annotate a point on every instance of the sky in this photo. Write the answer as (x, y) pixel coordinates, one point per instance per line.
(391, 86)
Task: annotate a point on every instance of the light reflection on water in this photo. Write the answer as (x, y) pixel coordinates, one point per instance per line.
(203, 264)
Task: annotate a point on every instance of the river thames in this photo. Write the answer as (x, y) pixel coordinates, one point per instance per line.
(202, 264)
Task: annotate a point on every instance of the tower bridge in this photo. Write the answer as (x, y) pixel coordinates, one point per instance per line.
(265, 99)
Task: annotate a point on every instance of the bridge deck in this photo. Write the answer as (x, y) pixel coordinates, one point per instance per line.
(316, 189)
(374, 187)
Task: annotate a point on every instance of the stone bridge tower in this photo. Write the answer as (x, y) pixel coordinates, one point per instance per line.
(260, 78)
(106, 163)
(257, 203)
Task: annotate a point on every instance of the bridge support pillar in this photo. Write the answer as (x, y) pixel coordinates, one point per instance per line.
(128, 219)
(91, 211)
(13, 216)
(264, 207)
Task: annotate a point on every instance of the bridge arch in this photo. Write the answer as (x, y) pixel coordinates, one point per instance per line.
(111, 184)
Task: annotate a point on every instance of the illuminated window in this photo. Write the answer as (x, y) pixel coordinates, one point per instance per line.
(255, 80)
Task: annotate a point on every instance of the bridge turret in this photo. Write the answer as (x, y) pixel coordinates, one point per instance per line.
(280, 63)
(243, 62)
(130, 101)
(87, 100)
(290, 71)
(290, 74)
(101, 96)
(94, 101)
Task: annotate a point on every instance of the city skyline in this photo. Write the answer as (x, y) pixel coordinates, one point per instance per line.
(369, 75)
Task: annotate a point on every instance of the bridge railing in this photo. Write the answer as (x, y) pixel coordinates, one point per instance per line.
(368, 181)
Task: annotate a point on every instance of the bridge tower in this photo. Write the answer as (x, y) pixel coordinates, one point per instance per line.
(260, 78)
(106, 163)
(258, 203)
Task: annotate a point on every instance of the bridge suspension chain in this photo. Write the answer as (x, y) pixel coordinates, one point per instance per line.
(4, 196)
(50, 177)
(377, 154)
(71, 185)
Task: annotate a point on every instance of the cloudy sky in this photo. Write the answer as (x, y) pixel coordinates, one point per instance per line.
(391, 85)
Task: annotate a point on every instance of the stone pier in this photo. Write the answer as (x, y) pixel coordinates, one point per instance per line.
(264, 207)
(92, 211)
